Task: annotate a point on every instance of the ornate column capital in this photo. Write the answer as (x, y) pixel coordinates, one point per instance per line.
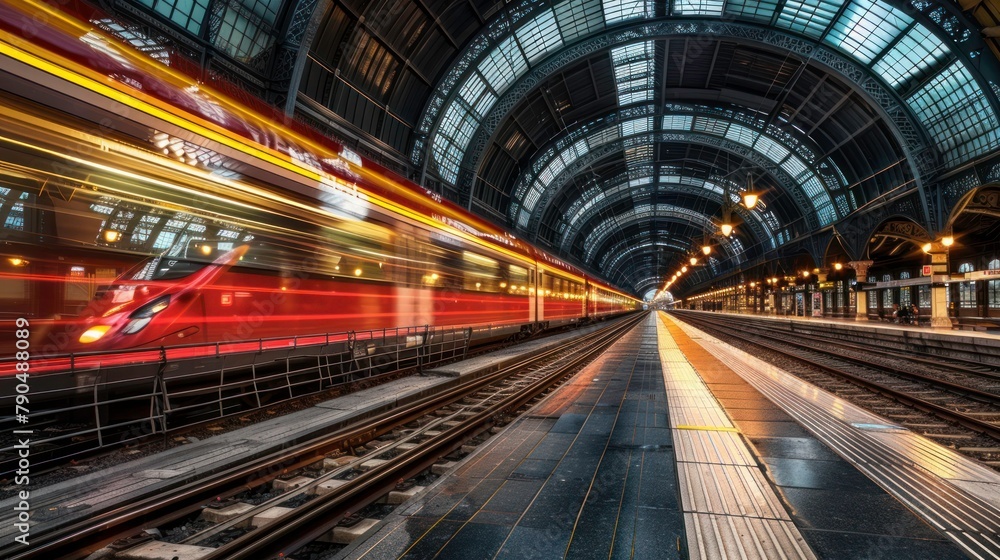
(860, 269)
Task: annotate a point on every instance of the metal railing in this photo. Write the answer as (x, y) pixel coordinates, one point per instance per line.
(113, 398)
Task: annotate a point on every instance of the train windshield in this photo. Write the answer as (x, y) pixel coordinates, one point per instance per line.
(163, 268)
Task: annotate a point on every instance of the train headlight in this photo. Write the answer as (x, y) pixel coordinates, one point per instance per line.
(93, 334)
(142, 316)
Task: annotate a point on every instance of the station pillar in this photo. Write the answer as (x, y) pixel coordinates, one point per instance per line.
(860, 296)
(939, 291)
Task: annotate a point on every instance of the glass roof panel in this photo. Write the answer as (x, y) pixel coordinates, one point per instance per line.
(603, 136)
(633, 65)
(808, 17)
(866, 28)
(917, 52)
(698, 7)
(760, 10)
(710, 125)
(539, 36)
(503, 65)
(621, 10)
(956, 113)
(636, 126)
(812, 187)
(794, 166)
(773, 150)
(577, 18)
(742, 135)
(677, 122)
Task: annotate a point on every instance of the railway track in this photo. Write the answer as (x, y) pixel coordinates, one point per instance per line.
(965, 398)
(350, 469)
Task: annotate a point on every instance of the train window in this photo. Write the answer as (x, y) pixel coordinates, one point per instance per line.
(163, 269)
(904, 297)
(517, 279)
(480, 273)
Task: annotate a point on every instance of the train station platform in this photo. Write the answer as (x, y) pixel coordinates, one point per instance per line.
(671, 446)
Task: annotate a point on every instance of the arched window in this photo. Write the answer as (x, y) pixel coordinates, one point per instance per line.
(993, 286)
(966, 290)
(904, 275)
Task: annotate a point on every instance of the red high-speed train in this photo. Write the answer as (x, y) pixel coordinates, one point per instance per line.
(143, 209)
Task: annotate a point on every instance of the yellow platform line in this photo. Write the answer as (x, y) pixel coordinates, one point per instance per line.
(708, 428)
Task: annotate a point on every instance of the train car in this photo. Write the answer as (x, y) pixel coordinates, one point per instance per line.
(156, 212)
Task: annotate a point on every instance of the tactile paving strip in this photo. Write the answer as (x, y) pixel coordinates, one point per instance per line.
(730, 509)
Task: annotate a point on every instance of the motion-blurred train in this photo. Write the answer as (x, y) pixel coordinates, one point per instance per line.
(140, 208)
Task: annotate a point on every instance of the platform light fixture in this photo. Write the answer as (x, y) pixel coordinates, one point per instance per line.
(838, 266)
(693, 261)
(948, 241)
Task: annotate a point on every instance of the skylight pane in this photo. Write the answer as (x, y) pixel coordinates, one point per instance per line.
(472, 89)
(621, 10)
(808, 17)
(503, 65)
(916, 53)
(629, 97)
(866, 28)
(698, 7)
(539, 36)
(531, 200)
(812, 187)
(522, 220)
(773, 150)
(578, 18)
(794, 166)
(602, 137)
(955, 111)
(677, 122)
(710, 125)
(633, 72)
(474, 93)
(546, 176)
(742, 135)
(636, 126)
(760, 10)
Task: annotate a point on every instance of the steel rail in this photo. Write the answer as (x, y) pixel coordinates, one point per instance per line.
(972, 423)
(313, 519)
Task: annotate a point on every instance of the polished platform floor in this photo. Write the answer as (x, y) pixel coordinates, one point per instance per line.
(660, 450)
